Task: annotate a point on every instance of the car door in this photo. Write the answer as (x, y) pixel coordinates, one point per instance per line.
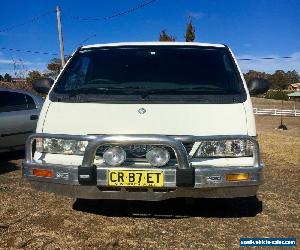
(18, 119)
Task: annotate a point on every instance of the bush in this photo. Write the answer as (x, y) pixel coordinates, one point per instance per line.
(277, 95)
(33, 76)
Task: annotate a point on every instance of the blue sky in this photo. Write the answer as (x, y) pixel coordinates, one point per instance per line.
(252, 28)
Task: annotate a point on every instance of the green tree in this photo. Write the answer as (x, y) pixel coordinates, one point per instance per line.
(54, 67)
(7, 77)
(255, 74)
(278, 80)
(190, 33)
(1, 78)
(165, 37)
(33, 76)
(293, 76)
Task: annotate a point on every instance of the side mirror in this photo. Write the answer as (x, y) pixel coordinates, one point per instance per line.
(43, 85)
(258, 86)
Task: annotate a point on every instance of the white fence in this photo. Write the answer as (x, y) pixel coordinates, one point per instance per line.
(277, 112)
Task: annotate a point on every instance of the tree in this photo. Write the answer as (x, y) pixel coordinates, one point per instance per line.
(54, 67)
(7, 77)
(190, 34)
(293, 76)
(164, 37)
(33, 76)
(278, 80)
(255, 74)
(1, 78)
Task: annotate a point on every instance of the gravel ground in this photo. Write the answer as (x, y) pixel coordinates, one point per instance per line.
(36, 220)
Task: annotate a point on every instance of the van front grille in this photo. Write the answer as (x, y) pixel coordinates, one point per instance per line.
(139, 151)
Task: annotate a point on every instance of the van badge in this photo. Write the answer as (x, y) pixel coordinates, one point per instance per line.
(142, 111)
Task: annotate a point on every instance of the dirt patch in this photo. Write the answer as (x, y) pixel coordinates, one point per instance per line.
(36, 220)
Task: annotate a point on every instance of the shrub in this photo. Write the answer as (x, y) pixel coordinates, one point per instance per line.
(277, 95)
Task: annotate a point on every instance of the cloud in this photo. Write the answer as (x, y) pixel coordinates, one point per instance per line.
(270, 65)
(10, 61)
(195, 15)
(6, 66)
(6, 61)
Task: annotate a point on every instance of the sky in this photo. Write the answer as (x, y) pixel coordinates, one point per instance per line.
(252, 28)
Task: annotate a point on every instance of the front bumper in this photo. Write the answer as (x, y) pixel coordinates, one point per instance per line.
(180, 180)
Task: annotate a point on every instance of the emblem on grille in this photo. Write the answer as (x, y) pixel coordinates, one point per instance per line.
(142, 111)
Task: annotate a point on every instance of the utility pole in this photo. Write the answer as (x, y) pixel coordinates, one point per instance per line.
(61, 43)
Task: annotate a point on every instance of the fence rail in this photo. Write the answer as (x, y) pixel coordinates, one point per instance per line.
(277, 112)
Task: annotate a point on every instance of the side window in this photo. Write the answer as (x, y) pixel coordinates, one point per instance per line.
(12, 101)
(30, 102)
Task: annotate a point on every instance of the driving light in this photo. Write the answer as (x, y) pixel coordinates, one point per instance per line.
(114, 156)
(60, 146)
(158, 156)
(225, 148)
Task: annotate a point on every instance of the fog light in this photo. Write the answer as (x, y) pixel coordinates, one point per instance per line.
(42, 173)
(158, 156)
(114, 156)
(238, 177)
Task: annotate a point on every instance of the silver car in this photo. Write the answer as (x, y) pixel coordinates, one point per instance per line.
(19, 111)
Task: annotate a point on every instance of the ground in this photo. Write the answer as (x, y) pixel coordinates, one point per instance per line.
(274, 104)
(36, 220)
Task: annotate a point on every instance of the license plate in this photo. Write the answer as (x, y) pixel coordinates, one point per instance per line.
(135, 178)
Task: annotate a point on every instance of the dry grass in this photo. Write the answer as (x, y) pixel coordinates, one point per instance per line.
(35, 220)
(16, 85)
(274, 104)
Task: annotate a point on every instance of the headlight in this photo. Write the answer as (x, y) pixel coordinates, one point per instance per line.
(158, 156)
(114, 156)
(60, 146)
(225, 148)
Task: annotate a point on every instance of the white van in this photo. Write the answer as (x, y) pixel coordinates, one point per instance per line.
(147, 121)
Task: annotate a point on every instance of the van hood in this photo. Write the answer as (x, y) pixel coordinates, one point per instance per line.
(166, 119)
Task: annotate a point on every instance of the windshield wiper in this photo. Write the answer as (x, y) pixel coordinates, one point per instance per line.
(193, 90)
(101, 90)
(84, 91)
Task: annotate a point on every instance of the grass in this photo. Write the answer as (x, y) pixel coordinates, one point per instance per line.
(274, 104)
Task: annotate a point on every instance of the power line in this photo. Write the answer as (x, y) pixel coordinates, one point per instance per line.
(267, 58)
(56, 54)
(128, 11)
(31, 51)
(31, 20)
(88, 38)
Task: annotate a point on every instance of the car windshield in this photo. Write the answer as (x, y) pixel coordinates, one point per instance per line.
(151, 70)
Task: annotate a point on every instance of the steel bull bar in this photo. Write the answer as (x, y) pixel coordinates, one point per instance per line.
(181, 175)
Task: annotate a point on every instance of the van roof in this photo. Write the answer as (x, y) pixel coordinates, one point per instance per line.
(152, 43)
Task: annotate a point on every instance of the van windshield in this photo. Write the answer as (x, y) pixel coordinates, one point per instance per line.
(151, 70)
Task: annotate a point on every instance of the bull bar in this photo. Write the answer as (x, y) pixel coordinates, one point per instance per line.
(182, 179)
